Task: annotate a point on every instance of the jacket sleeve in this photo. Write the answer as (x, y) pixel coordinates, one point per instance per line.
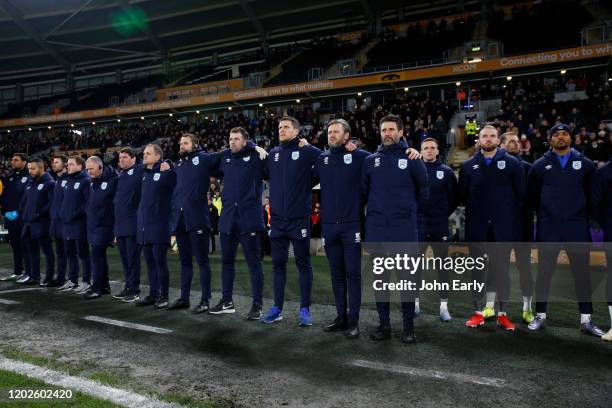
(452, 189)
(598, 192)
(588, 182)
(365, 181)
(534, 187)
(419, 178)
(214, 160)
(518, 184)
(49, 198)
(463, 186)
(82, 207)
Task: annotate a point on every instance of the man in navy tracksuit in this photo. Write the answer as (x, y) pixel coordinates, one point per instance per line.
(100, 223)
(241, 219)
(35, 213)
(153, 224)
(341, 214)
(290, 175)
(14, 185)
(559, 186)
(524, 234)
(127, 198)
(74, 225)
(191, 220)
(55, 230)
(602, 210)
(392, 185)
(434, 211)
(492, 187)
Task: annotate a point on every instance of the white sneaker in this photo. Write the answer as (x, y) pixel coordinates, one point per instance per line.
(607, 336)
(23, 278)
(67, 286)
(82, 288)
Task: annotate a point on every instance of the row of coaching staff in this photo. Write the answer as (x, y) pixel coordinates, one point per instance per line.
(60, 174)
(190, 221)
(290, 173)
(73, 215)
(14, 186)
(392, 185)
(242, 169)
(127, 199)
(34, 210)
(153, 224)
(100, 223)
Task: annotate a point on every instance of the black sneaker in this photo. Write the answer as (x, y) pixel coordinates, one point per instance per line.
(339, 324)
(178, 304)
(134, 297)
(255, 313)
(381, 333)
(92, 295)
(147, 301)
(222, 308)
(162, 303)
(408, 336)
(87, 294)
(123, 294)
(200, 308)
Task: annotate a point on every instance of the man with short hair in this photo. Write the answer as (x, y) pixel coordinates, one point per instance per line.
(100, 222)
(290, 176)
(55, 230)
(433, 213)
(559, 186)
(341, 220)
(14, 186)
(153, 224)
(73, 214)
(241, 220)
(34, 210)
(127, 199)
(392, 185)
(492, 187)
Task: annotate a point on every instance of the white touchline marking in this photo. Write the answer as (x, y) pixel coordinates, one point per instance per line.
(129, 325)
(21, 290)
(90, 387)
(9, 302)
(424, 373)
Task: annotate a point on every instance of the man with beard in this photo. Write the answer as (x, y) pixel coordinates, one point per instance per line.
(434, 211)
(55, 230)
(241, 220)
(559, 188)
(35, 212)
(127, 198)
(392, 185)
(492, 187)
(14, 186)
(74, 225)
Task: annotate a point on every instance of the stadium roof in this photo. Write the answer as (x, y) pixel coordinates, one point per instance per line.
(42, 38)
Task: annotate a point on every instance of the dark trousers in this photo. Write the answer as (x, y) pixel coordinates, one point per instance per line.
(155, 256)
(343, 249)
(129, 250)
(579, 265)
(33, 247)
(609, 266)
(250, 243)
(99, 264)
(62, 260)
(77, 249)
(439, 249)
(19, 253)
(190, 244)
(522, 256)
(280, 257)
